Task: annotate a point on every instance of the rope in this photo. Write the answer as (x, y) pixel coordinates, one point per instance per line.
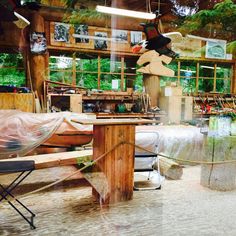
(72, 174)
(112, 149)
(179, 159)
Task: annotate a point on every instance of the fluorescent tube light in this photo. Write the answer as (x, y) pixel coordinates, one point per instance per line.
(192, 71)
(124, 12)
(211, 67)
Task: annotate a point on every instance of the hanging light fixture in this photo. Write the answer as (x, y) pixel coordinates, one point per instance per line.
(124, 12)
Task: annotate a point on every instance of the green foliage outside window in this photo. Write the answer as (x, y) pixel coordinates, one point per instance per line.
(12, 70)
(87, 80)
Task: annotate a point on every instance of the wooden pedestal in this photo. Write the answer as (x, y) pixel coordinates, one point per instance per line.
(118, 165)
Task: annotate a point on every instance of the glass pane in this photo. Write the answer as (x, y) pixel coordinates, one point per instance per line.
(138, 83)
(11, 59)
(106, 81)
(60, 62)
(206, 70)
(205, 85)
(188, 69)
(12, 76)
(223, 71)
(12, 70)
(188, 85)
(108, 65)
(90, 65)
(223, 85)
(61, 76)
(87, 80)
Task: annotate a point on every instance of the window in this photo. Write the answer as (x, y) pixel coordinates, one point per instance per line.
(12, 71)
(87, 72)
(200, 76)
(110, 72)
(93, 71)
(61, 69)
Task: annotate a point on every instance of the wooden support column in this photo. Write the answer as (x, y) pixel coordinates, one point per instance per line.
(122, 73)
(38, 62)
(197, 78)
(214, 84)
(99, 71)
(152, 87)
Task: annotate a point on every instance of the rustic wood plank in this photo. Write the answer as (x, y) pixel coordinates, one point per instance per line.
(113, 121)
(54, 159)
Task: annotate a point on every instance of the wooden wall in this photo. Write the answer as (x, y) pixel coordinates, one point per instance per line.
(24, 101)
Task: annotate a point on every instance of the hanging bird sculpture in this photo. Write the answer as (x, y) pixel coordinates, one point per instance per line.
(154, 41)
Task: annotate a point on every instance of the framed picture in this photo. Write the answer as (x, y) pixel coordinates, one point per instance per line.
(61, 32)
(120, 36)
(100, 44)
(81, 32)
(216, 49)
(135, 37)
(38, 43)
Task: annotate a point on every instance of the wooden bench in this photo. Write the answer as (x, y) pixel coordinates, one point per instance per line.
(25, 165)
(43, 161)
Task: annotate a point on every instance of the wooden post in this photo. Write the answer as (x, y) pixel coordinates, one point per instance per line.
(38, 62)
(152, 87)
(99, 72)
(122, 74)
(118, 165)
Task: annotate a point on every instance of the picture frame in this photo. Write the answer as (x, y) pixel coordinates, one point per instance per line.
(100, 44)
(82, 30)
(61, 32)
(120, 36)
(135, 37)
(38, 43)
(216, 49)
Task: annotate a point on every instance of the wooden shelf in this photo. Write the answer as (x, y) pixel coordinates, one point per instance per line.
(129, 115)
(115, 96)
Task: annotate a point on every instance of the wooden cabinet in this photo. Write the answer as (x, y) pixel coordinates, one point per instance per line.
(20, 101)
(65, 102)
(177, 108)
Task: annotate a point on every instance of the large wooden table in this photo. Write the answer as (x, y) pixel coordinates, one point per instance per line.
(118, 165)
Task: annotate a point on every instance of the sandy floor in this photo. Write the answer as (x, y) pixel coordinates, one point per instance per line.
(181, 207)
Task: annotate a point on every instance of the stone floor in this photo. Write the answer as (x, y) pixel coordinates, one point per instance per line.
(181, 207)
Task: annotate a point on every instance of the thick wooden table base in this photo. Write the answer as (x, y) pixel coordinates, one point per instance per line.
(118, 165)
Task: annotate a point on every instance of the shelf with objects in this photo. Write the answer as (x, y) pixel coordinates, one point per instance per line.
(103, 104)
(206, 105)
